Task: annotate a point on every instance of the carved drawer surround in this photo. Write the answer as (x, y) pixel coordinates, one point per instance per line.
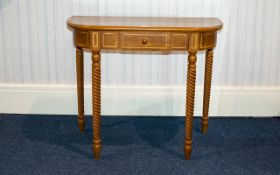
(141, 34)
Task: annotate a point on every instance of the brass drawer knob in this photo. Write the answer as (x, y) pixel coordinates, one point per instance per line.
(144, 41)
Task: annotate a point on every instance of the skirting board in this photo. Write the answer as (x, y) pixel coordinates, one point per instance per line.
(139, 101)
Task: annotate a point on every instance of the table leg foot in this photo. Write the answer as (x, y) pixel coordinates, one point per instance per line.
(188, 149)
(96, 148)
(81, 124)
(204, 126)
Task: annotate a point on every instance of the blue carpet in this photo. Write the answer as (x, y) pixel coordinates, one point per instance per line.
(39, 144)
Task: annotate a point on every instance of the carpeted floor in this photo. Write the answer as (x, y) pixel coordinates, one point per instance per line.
(38, 144)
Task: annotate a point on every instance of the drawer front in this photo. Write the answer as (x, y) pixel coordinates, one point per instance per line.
(145, 41)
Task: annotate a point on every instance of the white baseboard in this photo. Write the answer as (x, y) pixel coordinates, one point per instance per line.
(139, 101)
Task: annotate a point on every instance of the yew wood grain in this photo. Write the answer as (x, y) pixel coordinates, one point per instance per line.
(140, 34)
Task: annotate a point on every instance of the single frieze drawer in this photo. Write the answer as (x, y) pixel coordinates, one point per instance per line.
(145, 41)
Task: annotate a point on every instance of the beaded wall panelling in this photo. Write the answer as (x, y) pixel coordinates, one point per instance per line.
(36, 46)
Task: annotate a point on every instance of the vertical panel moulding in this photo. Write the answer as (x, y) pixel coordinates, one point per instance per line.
(250, 39)
(243, 68)
(20, 60)
(233, 39)
(223, 9)
(95, 41)
(273, 44)
(276, 44)
(194, 42)
(2, 62)
(75, 7)
(59, 43)
(25, 42)
(267, 73)
(38, 40)
(68, 38)
(42, 38)
(51, 41)
(258, 56)
(11, 48)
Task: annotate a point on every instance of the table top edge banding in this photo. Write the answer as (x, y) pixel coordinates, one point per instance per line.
(145, 24)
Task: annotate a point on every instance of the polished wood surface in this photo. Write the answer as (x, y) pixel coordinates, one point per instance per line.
(140, 34)
(144, 23)
(96, 105)
(191, 77)
(144, 40)
(207, 89)
(80, 87)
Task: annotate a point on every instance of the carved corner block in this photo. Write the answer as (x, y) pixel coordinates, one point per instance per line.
(194, 42)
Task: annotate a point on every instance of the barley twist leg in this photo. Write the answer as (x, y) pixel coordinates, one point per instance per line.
(96, 84)
(207, 89)
(190, 103)
(80, 87)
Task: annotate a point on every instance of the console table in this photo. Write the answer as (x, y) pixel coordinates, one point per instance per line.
(143, 34)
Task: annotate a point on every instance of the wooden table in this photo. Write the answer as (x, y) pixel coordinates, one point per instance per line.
(144, 34)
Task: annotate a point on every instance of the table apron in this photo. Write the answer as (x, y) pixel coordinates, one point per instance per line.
(145, 41)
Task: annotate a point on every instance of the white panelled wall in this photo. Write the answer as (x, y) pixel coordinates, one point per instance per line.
(37, 59)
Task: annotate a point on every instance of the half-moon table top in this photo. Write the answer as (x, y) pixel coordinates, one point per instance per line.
(144, 23)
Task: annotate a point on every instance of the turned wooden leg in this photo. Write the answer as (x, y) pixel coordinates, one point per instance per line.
(207, 89)
(96, 88)
(190, 103)
(80, 87)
